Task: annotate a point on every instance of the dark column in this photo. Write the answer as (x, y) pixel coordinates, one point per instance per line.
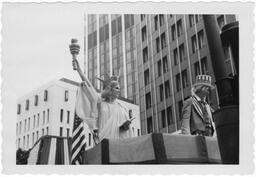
(227, 117)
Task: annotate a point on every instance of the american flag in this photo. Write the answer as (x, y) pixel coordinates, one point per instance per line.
(78, 141)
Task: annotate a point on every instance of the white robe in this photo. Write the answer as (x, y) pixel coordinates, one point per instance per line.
(99, 114)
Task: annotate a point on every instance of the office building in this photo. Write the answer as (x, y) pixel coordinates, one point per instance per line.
(158, 57)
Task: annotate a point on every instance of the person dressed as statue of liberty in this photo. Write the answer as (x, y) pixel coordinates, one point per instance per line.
(104, 114)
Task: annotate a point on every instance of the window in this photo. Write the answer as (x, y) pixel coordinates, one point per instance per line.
(20, 127)
(179, 27)
(175, 56)
(156, 22)
(149, 125)
(67, 132)
(165, 64)
(145, 54)
(138, 132)
(144, 33)
(159, 66)
(28, 123)
(178, 83)
(61, 129)
(221, 21)
(61, 115)
(161, 17)
(34, 122)
(204, 65)
(173, 32)
(38, 117)
(90, 139)
(33, 138)
(27, 141)
(146, 77)
(163, 41)
(167, 89)
(157, 45)
(47, 130)
(36, 100)
(191, 20)
(184, 78)
(25, 126)
(194, 43)
(129, 20)
(68, 113)
(42, 132)
(201, 39)
(182, 52)
(180, 105)
(142, 17)
(197, 68)
(19, 142)
(19, 109)
(27, 104)
(161, 92)
(17, 128)
(43, 117)
(45, 95)
(148, 100)
(37, 135)
(163, 118)
(66, 95)
(48, 115)
(169, 115)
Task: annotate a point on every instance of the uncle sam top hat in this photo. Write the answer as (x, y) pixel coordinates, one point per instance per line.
(204, 80)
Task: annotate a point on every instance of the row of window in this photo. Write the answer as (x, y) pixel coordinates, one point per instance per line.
(36, 120)
(62, 116)
(36, 100)
(197, 42)
(181, 81)
(29, 141)
(67, 132)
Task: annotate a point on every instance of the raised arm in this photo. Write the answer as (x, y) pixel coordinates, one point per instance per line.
(78, 68)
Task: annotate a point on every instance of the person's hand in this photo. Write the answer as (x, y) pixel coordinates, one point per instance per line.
(126, 125)
(75, 64)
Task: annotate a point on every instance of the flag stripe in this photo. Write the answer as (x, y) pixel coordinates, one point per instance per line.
(59, 158)
(45, 150)
(78, 141)
(52, 153)
(66, 153)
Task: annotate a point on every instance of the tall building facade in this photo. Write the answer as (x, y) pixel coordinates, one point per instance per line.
(49, 110)
(157, 57)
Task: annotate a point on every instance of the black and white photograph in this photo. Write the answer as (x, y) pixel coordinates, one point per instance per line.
(127, 84)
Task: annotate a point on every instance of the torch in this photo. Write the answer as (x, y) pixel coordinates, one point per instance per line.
(74, 50)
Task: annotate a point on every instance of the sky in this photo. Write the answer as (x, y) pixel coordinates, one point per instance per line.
(36, 40)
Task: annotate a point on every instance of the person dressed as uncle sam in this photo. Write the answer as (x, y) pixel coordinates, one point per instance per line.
(196, 112)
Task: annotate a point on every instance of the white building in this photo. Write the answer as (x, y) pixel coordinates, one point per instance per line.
(49, 110)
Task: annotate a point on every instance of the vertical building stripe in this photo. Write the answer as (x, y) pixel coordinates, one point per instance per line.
(171, 76)
(178, 50)
(52, 153)
(189, 62)
(124, 58)
(110, 45)
(197, 46)
(98, 49)
(137, 69)
(86, 45)
(162, 76)
(153, 70)
(144, 88)
(66, 152)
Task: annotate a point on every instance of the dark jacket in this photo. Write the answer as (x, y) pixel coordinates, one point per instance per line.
(192, 117)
